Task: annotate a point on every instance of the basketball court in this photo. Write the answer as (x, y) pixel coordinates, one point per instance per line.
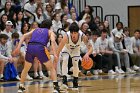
(127, 83)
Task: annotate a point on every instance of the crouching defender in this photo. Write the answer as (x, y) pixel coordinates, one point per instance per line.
(37, 48)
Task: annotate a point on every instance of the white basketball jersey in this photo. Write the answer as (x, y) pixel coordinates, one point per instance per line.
(72, 48)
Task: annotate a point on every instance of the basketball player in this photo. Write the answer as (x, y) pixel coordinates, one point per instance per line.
(70, 45)
(37, 48)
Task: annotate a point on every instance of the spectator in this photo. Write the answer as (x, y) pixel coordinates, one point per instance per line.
(122, 54)
(48, 11)
(84, 27)
(19, 20)
(73, 10)
(39, 15)
(128, 45)
(56, 22)
(103, 45)
(66, 11)
(73, 18)
(8, 29)
(119, 28)
(5, 55)
(29, 8)
(7, 10)
(88, 10)
(3, 20)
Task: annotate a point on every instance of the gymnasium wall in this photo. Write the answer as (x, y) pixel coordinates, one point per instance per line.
(115, 7)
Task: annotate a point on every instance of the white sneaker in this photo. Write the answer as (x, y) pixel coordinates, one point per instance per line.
(118, 71)
(100, 71)
(55, 91)
(111, 72)
(133, 71)
(122, 72)
(76, 89)
(29, 78)
(63, 87)
(44, 77)
(128, 70)
(95, 72)
(17, 77)
(136, 67)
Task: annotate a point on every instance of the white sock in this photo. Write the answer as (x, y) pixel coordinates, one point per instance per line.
(116, 68)
(1, 75)
(41, 73)
(35, 74)
(49, 73)
(22, 85)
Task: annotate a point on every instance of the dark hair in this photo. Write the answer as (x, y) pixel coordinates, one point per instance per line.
(38, 7)
(63, 16)
(47, 23)
(57, 36)
(125, 29)
(66, 24)
(90, 8)
(15, 35)
(74, 27)
(22, 27)
(2, 23)
(4, 36)
(88, 32)
(5, 10)
(54, 16)
(104, 31)
(137, 30)
(95, 33)
(119, 23)
(22, 20)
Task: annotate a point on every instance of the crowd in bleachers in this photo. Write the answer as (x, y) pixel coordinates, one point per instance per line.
(114, 51)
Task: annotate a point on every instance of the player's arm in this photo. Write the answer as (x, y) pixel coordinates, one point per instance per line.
(62, 44)
(88, 44)
(16, 51)
(53, 43)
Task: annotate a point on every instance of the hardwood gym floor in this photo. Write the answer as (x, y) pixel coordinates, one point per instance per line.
(127, 83)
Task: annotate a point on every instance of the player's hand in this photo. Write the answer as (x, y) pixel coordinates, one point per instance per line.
(55, 61)
(10, 60)
(16, 52)
(94, 54)
(86, 57)
(55, 58)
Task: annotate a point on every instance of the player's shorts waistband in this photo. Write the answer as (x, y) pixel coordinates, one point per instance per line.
(35, 43)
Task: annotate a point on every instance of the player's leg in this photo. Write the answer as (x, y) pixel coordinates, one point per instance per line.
(65, 57)
(29, 59)
(24, 73)
(49, 66)
(1, 69)
(36, 66)
(75, 61)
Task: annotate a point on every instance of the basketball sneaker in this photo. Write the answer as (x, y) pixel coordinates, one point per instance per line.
(135, 67)
(57, 89)
(122, 72)
(75, 83)
(64, 87)
(111, 72)
(21, 89)
(28, 77)
(65, 83)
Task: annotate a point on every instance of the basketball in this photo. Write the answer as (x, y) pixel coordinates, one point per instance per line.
(87, 64)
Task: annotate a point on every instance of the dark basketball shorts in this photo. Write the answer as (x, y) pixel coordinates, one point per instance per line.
(39, 51)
